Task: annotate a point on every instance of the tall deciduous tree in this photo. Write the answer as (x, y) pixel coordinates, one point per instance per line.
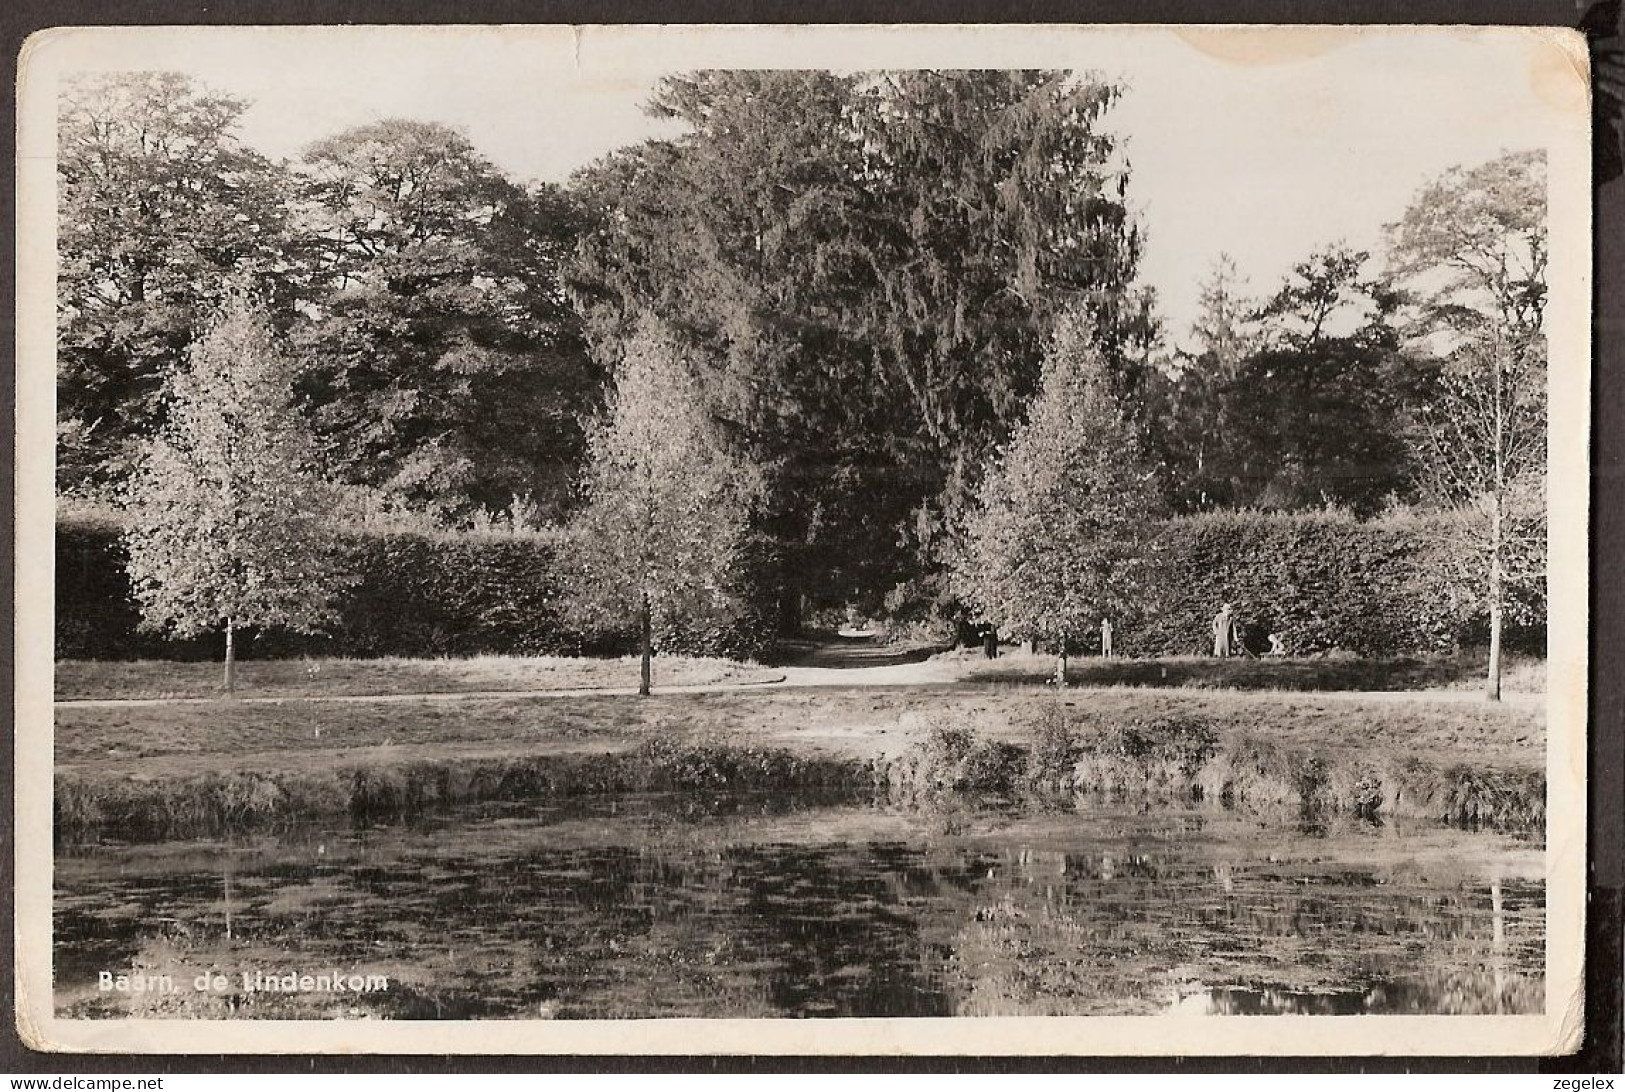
(1322, 291)
(1482, 446)
(668, 509)
(1472, 248)
(227, 515)
(159, 205)
(448, 369)
(1050, 548)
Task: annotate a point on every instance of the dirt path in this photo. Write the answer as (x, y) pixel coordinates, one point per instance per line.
(858, 659)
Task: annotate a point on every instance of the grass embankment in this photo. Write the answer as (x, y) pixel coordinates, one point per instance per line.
(1189, 760)
(1519, 674)
(166, 771)
(333, 677)
(382, 789)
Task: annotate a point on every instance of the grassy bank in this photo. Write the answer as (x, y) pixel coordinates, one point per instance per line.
(331, 677)
(1188, 760)
(380, 788)
(1465, 671)
(159, 771)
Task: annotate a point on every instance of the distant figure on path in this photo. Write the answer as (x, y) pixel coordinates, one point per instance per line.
(990, 642)
(1106, 638)
(1224, 624)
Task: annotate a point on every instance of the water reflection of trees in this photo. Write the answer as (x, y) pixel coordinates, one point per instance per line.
(1127, 932)
(1451, 992)
(711, 920)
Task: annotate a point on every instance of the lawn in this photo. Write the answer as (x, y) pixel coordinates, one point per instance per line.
(335, 677)
(331, 677)
(860, 721)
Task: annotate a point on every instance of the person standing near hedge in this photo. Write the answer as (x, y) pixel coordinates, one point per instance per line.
(1224, 624)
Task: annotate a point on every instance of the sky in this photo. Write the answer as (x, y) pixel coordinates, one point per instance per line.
(1263, 144)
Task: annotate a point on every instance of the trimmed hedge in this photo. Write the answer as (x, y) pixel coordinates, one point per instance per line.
(417, 594)
(444, 595)
(1323, 581)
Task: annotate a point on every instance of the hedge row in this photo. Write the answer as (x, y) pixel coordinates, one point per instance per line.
(416, 594)
(1323, 581)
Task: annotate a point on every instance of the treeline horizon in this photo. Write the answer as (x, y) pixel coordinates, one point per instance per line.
(863, 273)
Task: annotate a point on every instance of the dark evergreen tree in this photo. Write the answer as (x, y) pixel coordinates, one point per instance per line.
(1187, 399)
(1298, 403)
(870, 265)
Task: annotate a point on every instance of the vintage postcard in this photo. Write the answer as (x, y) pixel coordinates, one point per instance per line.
(802, 540)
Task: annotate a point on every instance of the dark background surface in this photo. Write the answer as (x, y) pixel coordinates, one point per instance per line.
(1606, 786)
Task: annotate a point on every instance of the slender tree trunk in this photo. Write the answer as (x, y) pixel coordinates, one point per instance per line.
(791, 566)
(1492, 681)
(648, 647)
(1060, 663)
(231, 660)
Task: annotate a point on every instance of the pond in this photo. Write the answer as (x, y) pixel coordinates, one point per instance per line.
(746, 906)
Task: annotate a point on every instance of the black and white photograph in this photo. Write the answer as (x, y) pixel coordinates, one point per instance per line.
(772, 539)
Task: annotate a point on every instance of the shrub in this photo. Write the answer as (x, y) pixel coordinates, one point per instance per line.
(993, 767)
(741, 627)
(942, 755)
(1164, 755)
(451, 595)
(1054, 752)
(1324, 581)
(950, 760)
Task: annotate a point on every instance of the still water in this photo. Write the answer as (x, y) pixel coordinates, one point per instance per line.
(674, 906)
